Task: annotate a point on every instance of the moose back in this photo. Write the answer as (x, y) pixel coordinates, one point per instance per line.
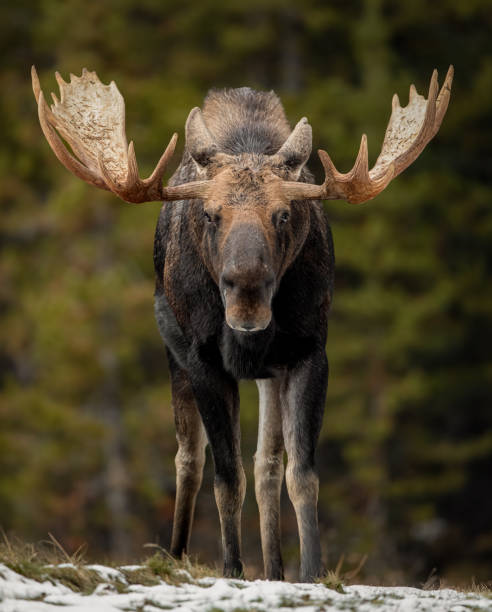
(244, 275)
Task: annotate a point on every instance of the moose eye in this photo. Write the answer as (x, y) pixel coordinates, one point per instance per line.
(212, 219)
(280, 218)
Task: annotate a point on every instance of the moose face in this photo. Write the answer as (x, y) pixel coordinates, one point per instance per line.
(248, 240)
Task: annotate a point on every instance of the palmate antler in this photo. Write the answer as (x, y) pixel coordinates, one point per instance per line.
(409, 130)
(90, 116)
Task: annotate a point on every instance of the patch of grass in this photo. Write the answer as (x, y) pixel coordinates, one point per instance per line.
(435, 582)
(336, 579)
(172, 570)
(79, 579)
(484, 589)
(49, 561)
(32, 560)
(333, 581)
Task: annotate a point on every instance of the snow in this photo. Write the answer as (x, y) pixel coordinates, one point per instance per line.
(20, 594)
(107, 573)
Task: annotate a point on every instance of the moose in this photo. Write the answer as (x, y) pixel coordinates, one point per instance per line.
(244, 268)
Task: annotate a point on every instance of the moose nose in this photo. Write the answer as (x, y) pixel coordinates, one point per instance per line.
(247, 299)
(253, 278)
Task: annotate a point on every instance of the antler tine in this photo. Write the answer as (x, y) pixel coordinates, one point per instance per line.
(409, 130)
(132, 176)
(36, 87)
(164, 160)
(360, 170)
(430, 111)
(443, 99)
(90, 118)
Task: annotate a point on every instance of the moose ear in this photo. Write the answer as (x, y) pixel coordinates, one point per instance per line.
(296, 150)
(199, 141)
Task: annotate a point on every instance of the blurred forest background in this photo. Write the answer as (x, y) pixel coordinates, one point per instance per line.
(86, 428)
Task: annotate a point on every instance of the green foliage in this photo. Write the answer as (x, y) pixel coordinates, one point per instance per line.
(86, 427)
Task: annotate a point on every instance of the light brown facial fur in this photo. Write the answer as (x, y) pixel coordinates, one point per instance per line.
(247, 237)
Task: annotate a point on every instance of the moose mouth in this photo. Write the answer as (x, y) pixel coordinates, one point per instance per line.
(247, 328)
(246, 317)
(248, 325)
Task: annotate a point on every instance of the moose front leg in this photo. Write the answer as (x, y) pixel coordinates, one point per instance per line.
(303, 398)
(190, 457)
(218, 402)
(269, 471)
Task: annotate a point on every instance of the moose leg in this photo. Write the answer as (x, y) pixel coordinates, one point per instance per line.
(269, 471)
(190, 457)
(303, 398)
(218, 402)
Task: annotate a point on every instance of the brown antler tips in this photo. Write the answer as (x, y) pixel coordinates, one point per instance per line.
(163, 161)
(446, 88)
(36, 87)
(132, 176)
(60, 81)
(328, 165)
(44, 112)
(433, 87)
(443, 99)
(427, 130)
(449, 76)
(361, 167)
(173, 141)
(412, 93)
(395, 102)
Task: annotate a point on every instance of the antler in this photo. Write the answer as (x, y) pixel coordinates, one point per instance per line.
(409, 130)
(90, 117)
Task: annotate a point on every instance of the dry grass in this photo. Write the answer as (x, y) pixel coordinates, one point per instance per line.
(337, 578)
(49, 561)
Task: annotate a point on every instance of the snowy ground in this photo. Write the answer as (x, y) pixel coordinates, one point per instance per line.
(21, 594)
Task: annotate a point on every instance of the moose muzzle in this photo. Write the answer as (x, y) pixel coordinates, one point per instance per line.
(247, 281)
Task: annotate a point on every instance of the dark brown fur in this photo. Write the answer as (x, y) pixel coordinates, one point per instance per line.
(244, 282)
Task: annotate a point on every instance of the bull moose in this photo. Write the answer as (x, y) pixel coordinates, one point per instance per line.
(244, 276)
